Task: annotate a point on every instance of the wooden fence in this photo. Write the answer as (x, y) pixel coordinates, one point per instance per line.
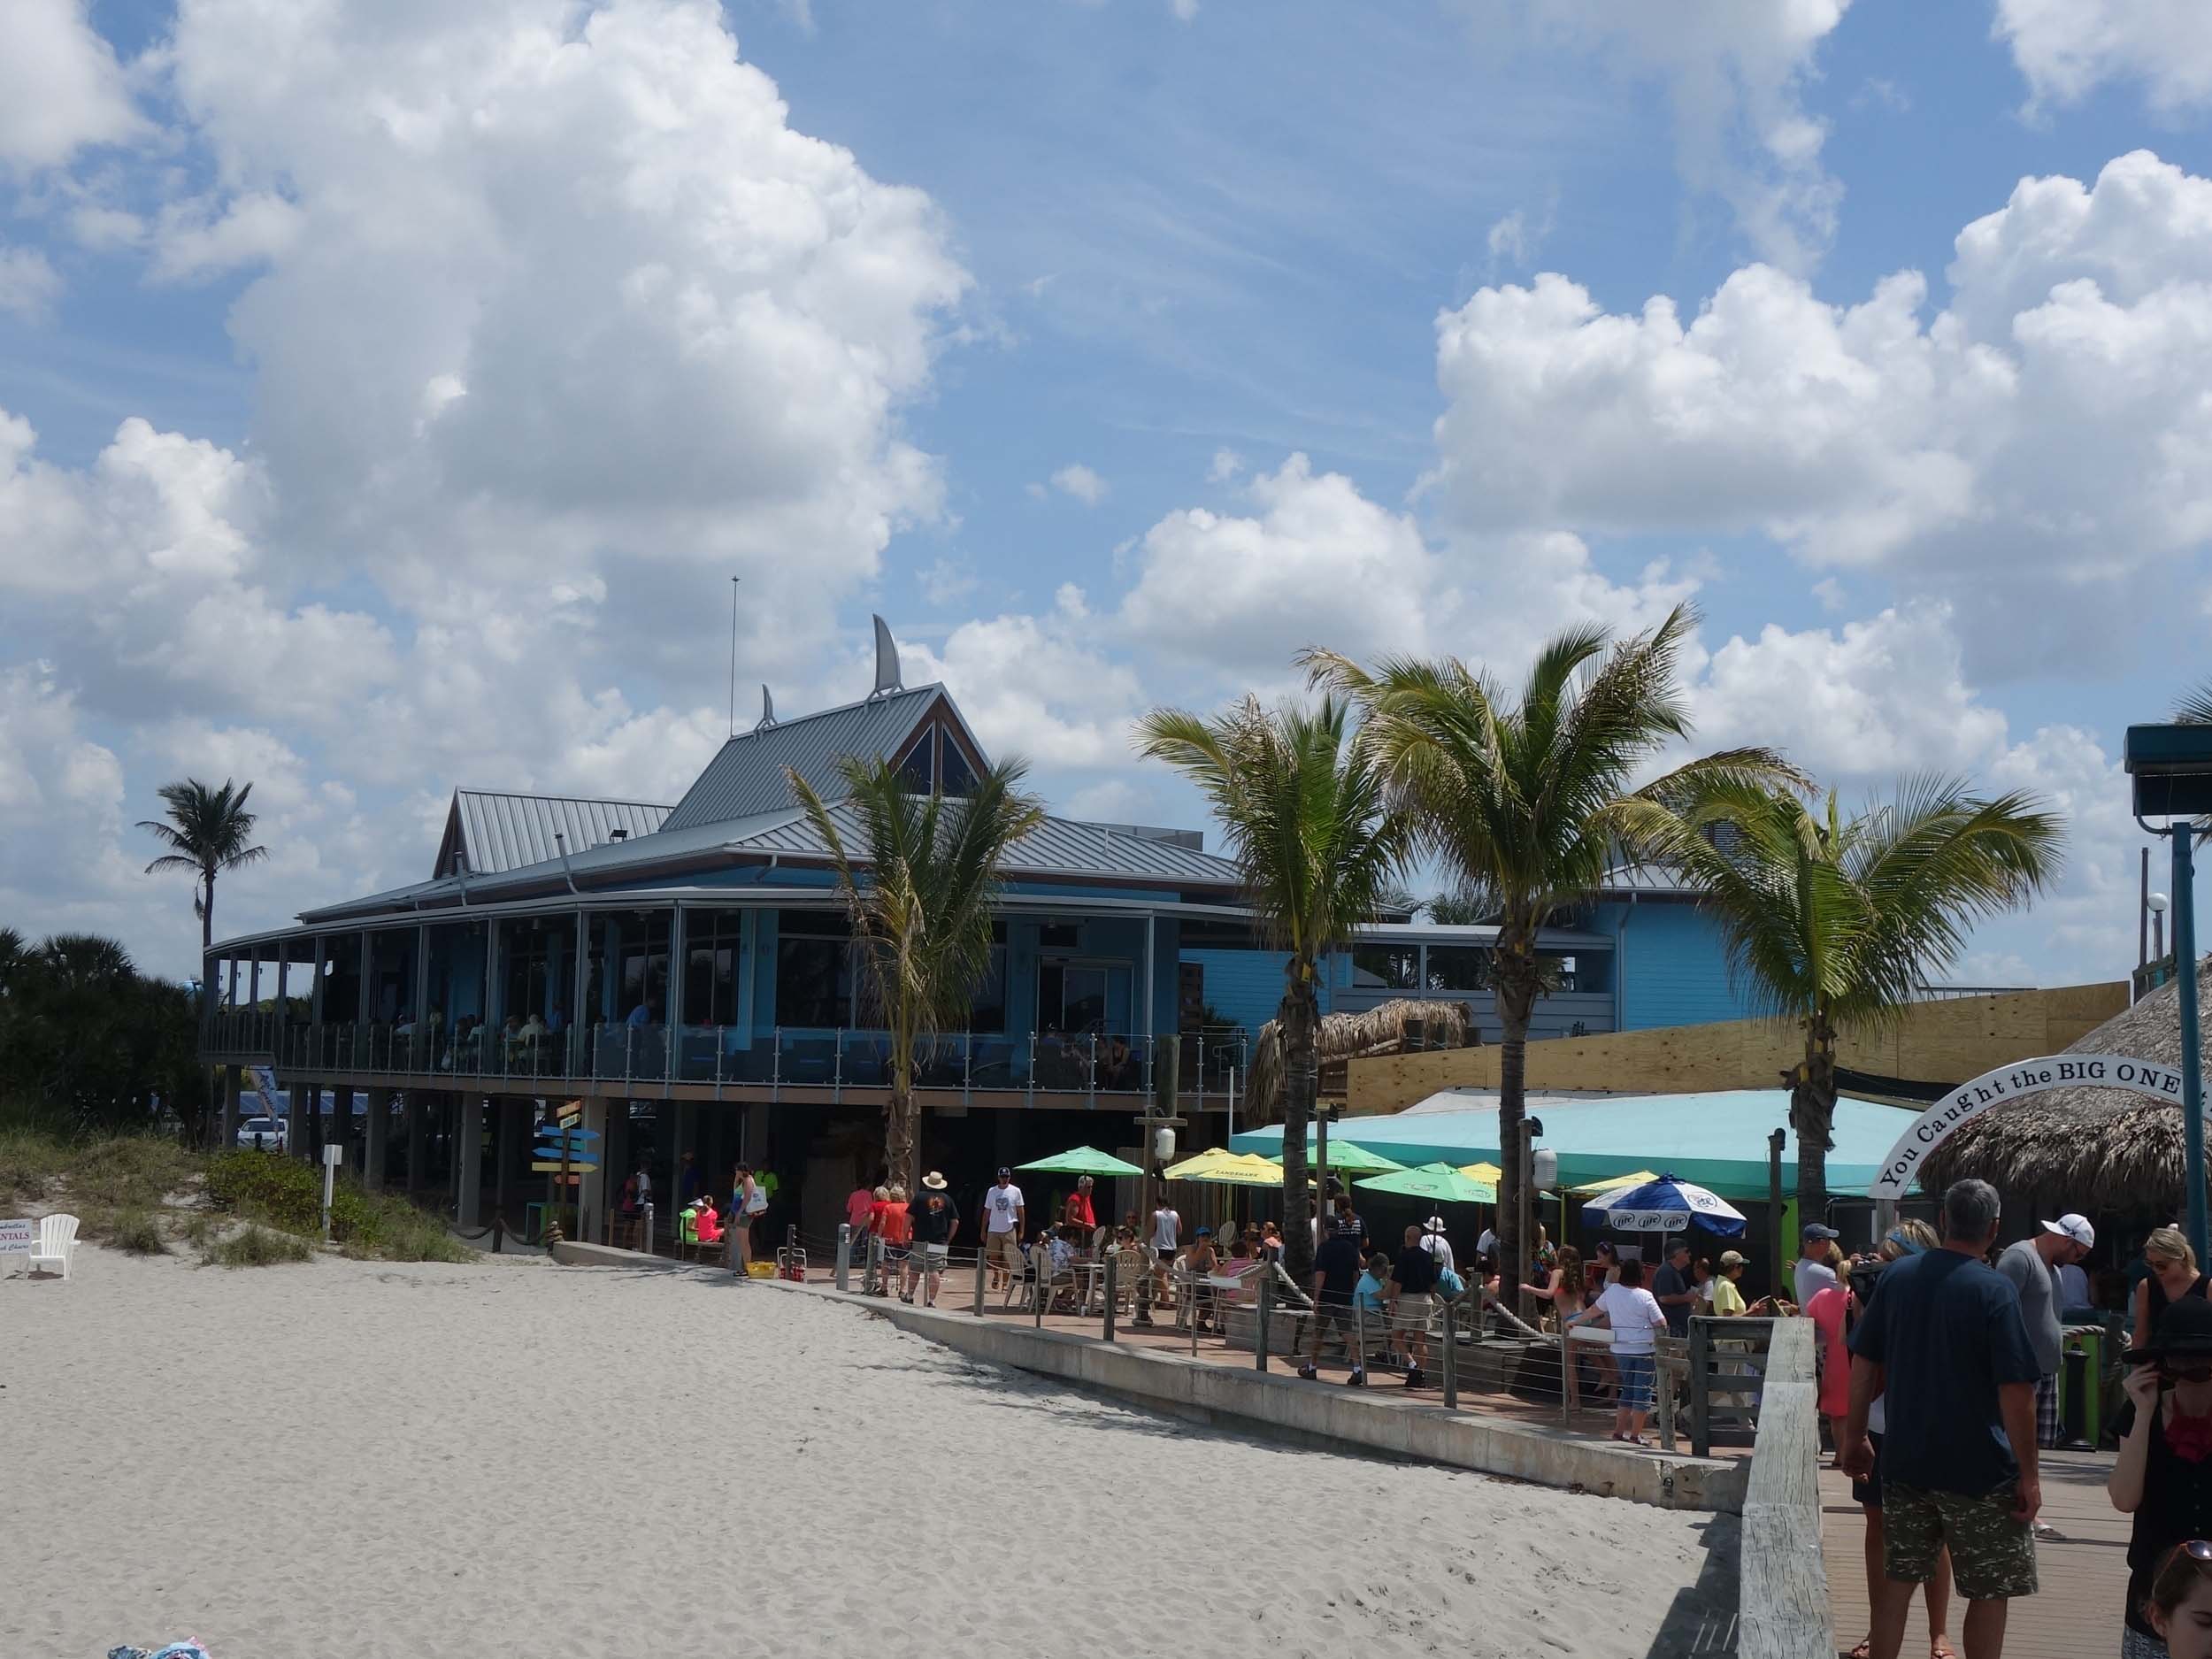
(1783, 1610)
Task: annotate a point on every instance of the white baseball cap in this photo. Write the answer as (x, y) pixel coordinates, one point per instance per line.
(2075, 1227)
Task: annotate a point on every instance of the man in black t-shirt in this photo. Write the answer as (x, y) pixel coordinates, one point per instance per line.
(936, 1219)
(1671, 1288)
(1943, 1345)
(1336, 1269)
(1412, 1277)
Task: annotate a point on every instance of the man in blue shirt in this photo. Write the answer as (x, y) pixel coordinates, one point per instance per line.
(1943, 1346)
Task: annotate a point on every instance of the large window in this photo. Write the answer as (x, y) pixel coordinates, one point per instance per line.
(957, 777)
(1459, 968)
(986, 1010)
(536, 956)
(1075, 997)
(1562, 970)
(628, 966)
(814, 970)
(1384, 967)
(710, 951)
(915, 771)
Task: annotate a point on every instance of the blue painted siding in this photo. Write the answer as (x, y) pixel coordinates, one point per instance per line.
(1672, 968)
(1246, 986)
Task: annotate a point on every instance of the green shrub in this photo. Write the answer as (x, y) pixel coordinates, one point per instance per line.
(29, 1158)
(114, 1171)
(415, 1237)
(199, 1229)
(136, 1233)
(256, 1246)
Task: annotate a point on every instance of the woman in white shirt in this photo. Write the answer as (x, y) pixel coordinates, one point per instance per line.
(1636, 1319)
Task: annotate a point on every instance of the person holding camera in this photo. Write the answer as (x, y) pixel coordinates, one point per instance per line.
(2163, 1475)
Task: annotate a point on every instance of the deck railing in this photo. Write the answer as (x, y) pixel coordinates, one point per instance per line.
(798, 1060)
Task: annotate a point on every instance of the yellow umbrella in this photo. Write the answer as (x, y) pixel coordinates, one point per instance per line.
(1488, 1174)
(1233, 1169)
(1613, 1183)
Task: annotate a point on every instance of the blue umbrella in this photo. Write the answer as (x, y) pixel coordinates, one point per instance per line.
(1666, 1205)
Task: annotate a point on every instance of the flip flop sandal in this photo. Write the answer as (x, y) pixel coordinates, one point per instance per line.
(1940, 1648)
(1865, 1649)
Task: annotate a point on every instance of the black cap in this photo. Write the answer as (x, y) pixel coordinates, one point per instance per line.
(1005, 1174)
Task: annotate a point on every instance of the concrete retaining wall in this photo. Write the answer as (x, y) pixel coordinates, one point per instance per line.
(571, 1254)
(1330, 1413)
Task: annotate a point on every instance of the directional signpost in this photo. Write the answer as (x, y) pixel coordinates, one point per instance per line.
(564, 1154)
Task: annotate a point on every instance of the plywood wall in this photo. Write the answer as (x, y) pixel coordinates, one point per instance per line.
(1945, 1041)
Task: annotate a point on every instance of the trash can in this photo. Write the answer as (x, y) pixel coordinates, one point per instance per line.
(2081, 1385)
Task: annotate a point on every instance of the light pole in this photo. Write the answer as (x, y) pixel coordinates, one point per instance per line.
(2172, 769)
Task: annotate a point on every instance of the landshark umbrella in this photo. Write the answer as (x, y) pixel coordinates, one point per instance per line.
(1083, 1161)
(1231, 1169)
(1351, 1160)
(1438, 1183)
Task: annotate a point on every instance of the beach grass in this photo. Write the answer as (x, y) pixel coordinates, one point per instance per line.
(136, 1233)
(256, 1246)
(108, 1182)
(286, 1194)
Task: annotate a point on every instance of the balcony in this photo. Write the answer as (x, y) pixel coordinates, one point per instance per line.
(732, 1062)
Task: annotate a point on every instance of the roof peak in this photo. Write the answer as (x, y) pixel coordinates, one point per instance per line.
(552, 794)
(784, 722)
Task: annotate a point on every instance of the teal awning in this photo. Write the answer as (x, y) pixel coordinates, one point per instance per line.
(1716, 1141)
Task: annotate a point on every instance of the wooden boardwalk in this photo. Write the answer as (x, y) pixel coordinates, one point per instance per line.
(2083, 1568)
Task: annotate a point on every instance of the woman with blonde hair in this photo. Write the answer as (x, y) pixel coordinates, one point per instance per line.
(2174, 1274)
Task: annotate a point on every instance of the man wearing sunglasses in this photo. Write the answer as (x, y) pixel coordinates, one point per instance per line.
(1944, 1346)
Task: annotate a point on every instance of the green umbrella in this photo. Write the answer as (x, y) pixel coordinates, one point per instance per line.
(1439, 1183)
(1352, 1160)
(1083, 1161)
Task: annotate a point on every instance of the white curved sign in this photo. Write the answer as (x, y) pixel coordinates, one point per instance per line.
(2012, 1082)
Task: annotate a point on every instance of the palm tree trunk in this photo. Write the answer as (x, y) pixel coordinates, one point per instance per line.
(900, 1140)
(1813, 1117)
(1514, 980)
(1301, 1016)
(207, 910)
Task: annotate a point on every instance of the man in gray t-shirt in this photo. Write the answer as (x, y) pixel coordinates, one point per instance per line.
(2031, 1268)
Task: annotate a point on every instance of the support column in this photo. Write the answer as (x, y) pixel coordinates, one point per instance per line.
(417, 1137)
(373, 1138)
(510, 1162)
(592, 1192)
(230, 1109)
(469, 1154)
(303, 1133)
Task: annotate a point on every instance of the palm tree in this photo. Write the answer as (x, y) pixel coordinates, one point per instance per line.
(920, 883)
(1319, 847)
(1832, 922)
(1527, 800)
(207, 833)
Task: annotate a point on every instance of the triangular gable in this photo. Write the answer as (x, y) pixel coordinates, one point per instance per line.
(746, 777)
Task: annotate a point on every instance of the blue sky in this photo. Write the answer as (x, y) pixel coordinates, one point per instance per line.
(388, 392)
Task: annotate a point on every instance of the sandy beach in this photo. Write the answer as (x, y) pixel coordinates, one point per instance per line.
(517, 1459)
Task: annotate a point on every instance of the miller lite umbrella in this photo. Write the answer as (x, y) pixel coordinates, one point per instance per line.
(1666, 1205)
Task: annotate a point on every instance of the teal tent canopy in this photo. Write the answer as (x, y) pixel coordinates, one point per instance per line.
(1719, 1140)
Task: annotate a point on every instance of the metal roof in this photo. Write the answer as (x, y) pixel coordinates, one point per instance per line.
(747, 775)
(500, 831)
(1058, 846)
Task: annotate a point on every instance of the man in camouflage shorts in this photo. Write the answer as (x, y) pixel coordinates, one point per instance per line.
(1943, 1345)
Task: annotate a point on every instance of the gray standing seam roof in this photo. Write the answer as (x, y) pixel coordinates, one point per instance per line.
(1058, 846)
(746, 775)
(502, 831)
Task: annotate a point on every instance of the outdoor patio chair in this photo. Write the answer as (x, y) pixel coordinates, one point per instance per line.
(1020, 1280)
(57, 1244)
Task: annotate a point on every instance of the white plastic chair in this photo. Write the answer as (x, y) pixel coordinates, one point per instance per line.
(56, 1243)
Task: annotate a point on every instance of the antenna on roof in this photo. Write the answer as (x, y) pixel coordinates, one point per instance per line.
(888, 676)
(732, 655)
(767, 710)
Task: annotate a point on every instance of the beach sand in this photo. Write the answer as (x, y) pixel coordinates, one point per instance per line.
(520, 1459)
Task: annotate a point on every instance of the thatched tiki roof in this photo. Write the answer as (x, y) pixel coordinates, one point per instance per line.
(2080, 1148)
(1344, 1037)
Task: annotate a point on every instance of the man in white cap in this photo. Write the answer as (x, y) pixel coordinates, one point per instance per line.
(2032, 1268)
(1435, 1243)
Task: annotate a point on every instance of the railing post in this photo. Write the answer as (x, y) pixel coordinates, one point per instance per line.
(1091, 1085)
(967, 1067)
(775, 1064)
(1701, 1388)
(844, 1255)
(979, 1276)
(1113, 1290)
(1451, 1355)
(1266, 1313)
(1039, 1285)
(720, 1043)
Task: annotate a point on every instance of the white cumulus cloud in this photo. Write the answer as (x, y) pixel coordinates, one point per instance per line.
(1079, 481)
(2067, 49)
(61, 88)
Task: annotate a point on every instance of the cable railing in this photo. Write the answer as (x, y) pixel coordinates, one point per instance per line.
(799, 1060)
